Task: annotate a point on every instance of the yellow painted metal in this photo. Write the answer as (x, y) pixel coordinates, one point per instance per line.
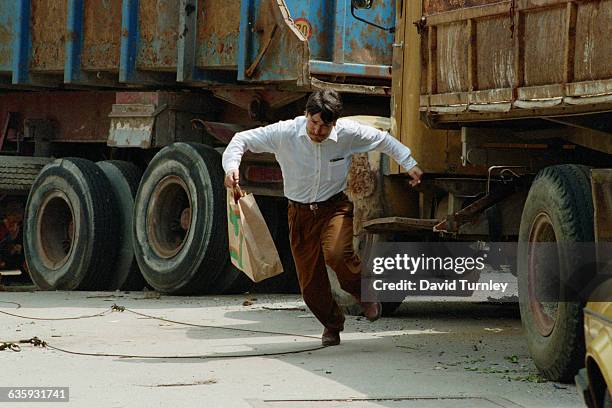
(437, 151)
(598, 336)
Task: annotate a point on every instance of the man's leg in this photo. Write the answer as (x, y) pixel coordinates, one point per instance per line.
(338, 250)
(339, 253)
(304, 234)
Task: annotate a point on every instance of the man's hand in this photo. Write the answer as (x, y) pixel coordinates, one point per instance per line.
(415, 174)
(231, 178)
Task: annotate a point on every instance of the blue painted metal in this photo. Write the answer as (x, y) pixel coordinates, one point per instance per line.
(244, 49)
(365, 44)
(22, 44)
(186, 59)
(338, 44)
(187, 70)
(129, 41)
(350, 69)
(319, 15)
(74, 42)
(282, 62)
(338, 37)
(7, 21)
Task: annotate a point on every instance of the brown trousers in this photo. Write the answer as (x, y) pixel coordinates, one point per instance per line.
(319, 237)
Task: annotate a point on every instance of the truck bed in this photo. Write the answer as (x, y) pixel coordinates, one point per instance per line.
(171, 43)
(487, 60)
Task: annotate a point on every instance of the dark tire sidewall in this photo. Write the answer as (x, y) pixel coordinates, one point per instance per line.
(201, 177)
(124, 178)
(553, 354)
(65, 176)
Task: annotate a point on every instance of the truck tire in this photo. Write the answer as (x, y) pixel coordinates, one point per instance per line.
(17, 174)
(274, 211)
(69, 228)
(559, 208)
(124, 178)
(232, 281)
(180, 222)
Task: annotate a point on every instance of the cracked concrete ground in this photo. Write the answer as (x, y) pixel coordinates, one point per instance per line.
(430, 354)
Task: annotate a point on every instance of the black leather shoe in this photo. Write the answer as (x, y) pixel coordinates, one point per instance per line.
(372, 310)
(330, 337)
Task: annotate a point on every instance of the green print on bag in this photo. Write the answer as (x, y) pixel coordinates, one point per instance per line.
(234, 218)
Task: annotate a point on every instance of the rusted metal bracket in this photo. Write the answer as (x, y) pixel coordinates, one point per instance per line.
(453, 222)
(398, 224)
(251, 69)
(421, 25)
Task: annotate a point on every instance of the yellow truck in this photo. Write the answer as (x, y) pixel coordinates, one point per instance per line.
(506, 104)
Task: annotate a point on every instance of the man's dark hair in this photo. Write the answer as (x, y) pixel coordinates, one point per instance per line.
(327, 102)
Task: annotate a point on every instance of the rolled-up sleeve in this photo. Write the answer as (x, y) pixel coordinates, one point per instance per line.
(260, 140)
(367, 138)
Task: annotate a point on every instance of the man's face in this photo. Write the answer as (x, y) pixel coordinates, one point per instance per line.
(316, 129)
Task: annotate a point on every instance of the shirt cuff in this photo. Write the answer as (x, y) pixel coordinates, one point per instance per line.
(409, 163)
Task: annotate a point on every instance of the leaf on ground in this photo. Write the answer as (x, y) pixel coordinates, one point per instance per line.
(513, 359)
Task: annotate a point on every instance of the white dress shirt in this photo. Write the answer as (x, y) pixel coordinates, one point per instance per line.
(314, 172)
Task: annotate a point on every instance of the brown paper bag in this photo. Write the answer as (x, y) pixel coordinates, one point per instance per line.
(251, 246)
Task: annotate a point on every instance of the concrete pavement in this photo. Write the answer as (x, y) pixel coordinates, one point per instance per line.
(431, 354)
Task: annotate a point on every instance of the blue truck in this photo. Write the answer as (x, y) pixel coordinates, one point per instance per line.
(113, 114)
(158, 87)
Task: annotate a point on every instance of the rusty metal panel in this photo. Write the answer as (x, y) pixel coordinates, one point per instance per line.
(7, 15)
(495, 53)
(101, 35)
(452, 49)
(273, 48)
(48, 33)
(132, 125)
(544, 42)
(364, 44)
(80, 116)
(218, 29)
(441, 6)
(593, 41)
(158, 22)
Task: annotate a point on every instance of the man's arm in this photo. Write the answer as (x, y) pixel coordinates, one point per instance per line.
(368, 138)
(260, 140)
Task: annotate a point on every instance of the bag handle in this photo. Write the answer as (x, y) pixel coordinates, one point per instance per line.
(238, 193)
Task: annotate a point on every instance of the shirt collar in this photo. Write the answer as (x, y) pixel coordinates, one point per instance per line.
(333, 135)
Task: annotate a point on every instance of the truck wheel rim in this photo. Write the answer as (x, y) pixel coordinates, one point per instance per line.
(55, 230)
(543, 279)
(169, 217)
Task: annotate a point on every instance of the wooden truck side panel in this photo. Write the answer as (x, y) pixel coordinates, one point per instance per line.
(515, 58)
